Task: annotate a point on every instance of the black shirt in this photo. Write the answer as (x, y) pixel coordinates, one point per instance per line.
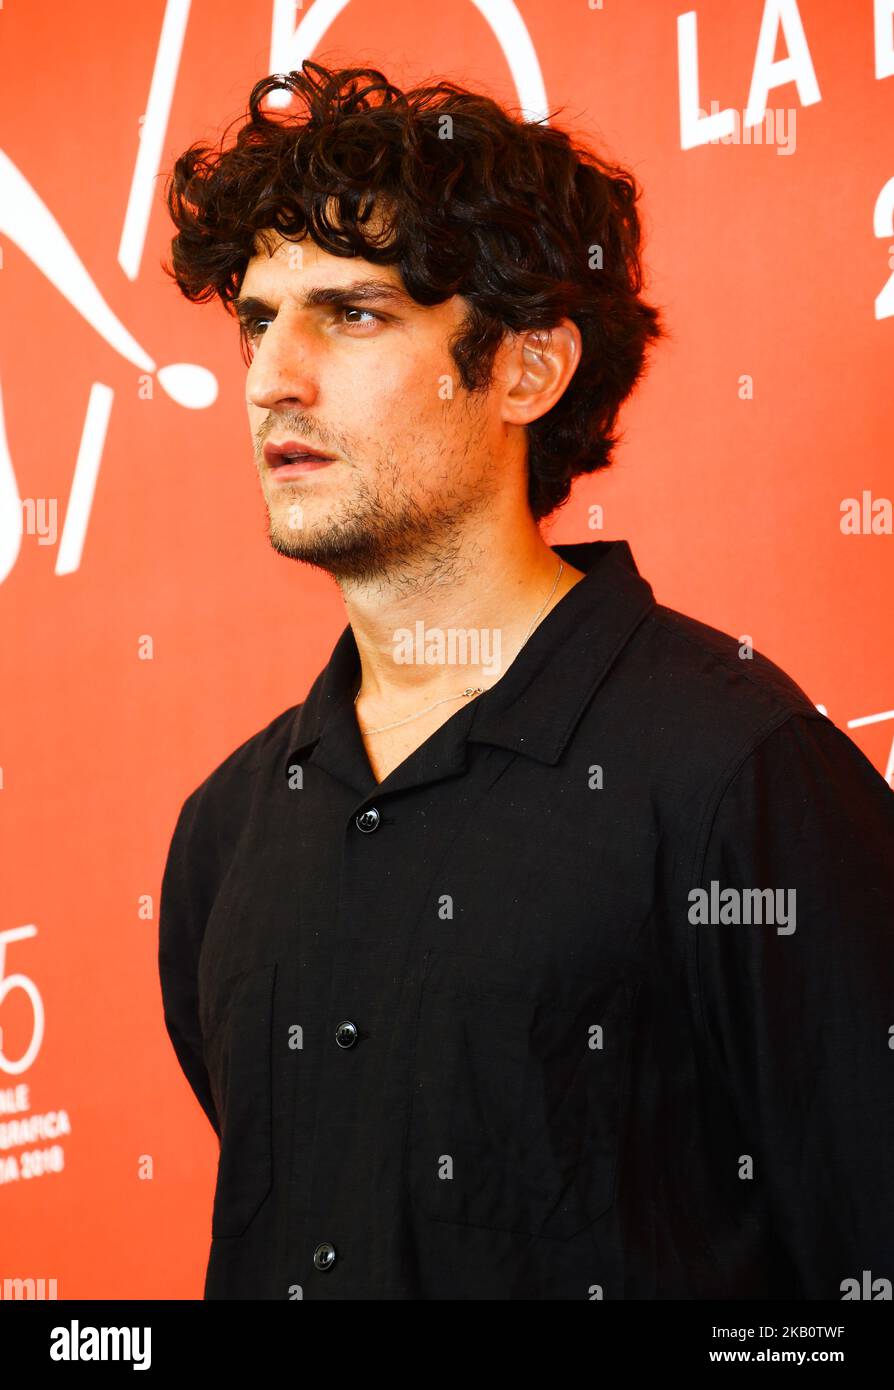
(591, 997)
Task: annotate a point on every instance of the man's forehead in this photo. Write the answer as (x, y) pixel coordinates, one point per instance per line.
(275, 256)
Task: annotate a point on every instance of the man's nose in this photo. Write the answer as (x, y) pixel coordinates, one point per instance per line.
(282, 370)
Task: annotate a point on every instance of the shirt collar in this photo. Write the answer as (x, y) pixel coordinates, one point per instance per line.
(535, 705)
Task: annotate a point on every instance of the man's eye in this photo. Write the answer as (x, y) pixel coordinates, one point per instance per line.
(251, 326)
(354, 309)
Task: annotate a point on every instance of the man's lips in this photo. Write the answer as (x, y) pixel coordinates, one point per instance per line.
(291, 458)
(282, 472)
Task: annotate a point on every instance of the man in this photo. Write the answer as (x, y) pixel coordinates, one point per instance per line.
(544, 950)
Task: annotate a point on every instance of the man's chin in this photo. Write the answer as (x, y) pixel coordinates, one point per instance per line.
(337, 554)
(296, 544)
(347, 553)
(294, 532)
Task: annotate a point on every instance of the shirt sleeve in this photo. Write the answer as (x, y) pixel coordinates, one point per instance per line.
(801, 1011)
(185, 902)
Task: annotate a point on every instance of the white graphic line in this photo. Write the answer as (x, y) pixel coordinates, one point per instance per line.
(152, 135)
(83, 484)
(870, 719)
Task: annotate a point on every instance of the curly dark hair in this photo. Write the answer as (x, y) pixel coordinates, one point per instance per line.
(477, 202)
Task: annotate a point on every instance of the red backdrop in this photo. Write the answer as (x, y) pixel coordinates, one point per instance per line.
(148, 628)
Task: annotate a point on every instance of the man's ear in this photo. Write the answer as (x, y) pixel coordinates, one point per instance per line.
(540, 364)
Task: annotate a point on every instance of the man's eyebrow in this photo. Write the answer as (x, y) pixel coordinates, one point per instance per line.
(338, 296)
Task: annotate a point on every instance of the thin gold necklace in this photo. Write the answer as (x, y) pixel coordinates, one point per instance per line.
(471, 690)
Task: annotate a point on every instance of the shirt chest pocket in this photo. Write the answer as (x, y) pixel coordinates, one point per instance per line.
(517, 1099)
(237, 1025)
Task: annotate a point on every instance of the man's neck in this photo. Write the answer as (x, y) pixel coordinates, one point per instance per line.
(454, 620)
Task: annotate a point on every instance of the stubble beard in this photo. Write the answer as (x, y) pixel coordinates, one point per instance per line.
(378, 538)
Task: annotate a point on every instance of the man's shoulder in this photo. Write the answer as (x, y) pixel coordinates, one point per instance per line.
(707, 695)
(711, 660)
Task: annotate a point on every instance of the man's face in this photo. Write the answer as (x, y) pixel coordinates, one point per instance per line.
(368, 379)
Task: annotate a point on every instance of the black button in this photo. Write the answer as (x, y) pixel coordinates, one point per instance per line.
(367, 821)
(346, 1034)
(324, 1255)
